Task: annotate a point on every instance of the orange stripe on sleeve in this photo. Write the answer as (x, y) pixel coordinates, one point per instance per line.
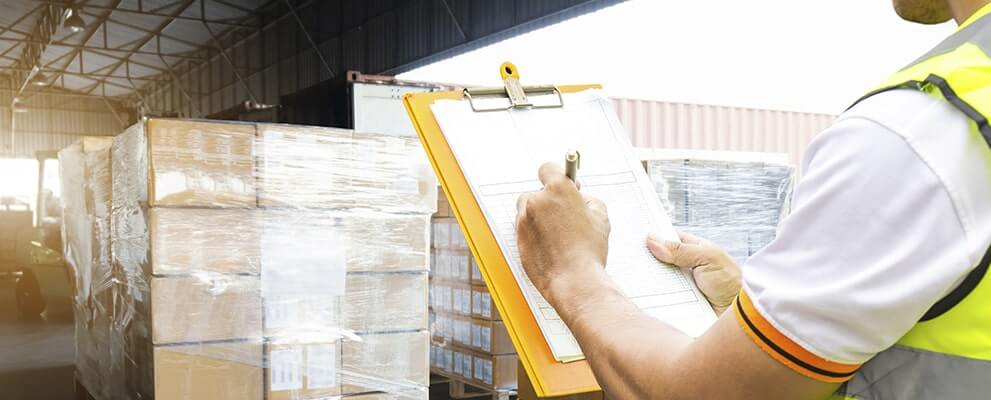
(785, 350)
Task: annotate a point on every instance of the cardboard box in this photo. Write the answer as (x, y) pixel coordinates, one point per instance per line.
(195, 240)
(441, 233)
(494, 372)
(304, 167)
(482, 305)
(302, 371)
(378, 242)
(218, 371)
(372, 303)
(475, 278)
(452, 265)
(167, 162)
(490, 337)
(443, 206)
(409, 185)
(365, 241)
(451, 298)
(402, 395)
(386, 362)
(205, 308)
(385, 302)
(326, 168)
(452, 329)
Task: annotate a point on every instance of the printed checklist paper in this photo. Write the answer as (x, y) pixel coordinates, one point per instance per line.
(500, 152)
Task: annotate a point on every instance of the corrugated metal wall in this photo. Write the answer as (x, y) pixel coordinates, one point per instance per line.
(702, 127)
(51, 122)
(380, 36)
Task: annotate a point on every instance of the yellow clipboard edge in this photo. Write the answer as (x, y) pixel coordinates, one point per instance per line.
(535, 355)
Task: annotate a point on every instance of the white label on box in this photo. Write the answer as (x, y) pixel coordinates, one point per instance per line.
(466, 302)
(476, 302)
(281, 313)
(485, 338)
(321, 366)
(486, 305)
(483, 370)
(447, 360)
(286, 367)
(476, 336)
(465, 328)
(467, 366)
(445, 299)
(458, 363)
(476, 274)
(300, 255)
(456, 294)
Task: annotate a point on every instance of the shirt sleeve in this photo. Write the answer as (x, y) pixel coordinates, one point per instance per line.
(872, 242)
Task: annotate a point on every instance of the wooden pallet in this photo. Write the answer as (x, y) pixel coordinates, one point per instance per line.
(80, 392)
(462, 390)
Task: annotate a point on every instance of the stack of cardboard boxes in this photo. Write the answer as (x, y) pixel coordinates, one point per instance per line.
(269, 262)
(470, 341)
(731, 198)
(84, 168)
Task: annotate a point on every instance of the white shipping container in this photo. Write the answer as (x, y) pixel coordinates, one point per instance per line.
(661, 124)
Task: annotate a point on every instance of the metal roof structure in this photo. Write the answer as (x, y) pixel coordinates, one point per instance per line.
(197, 58)
(127, 45)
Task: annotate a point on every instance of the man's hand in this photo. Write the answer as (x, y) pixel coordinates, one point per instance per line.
(715, 272)
(561, 233)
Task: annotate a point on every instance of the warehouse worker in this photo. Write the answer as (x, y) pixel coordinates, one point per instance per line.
(875, 287)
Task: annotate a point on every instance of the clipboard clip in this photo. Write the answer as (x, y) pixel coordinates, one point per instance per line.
(512, 90)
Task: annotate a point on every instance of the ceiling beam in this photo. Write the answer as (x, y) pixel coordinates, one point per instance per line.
(107, 49)
(181, 7)
(42, 34)
(226, 22)
(91, 30)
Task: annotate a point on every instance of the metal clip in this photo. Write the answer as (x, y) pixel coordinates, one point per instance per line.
(513, 91)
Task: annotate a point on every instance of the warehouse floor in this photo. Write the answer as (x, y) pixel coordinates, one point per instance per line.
(36, 356)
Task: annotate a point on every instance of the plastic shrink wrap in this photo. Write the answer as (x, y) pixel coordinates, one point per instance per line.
(734, 199)
(84, 168)
(264, 261)
(470, 343)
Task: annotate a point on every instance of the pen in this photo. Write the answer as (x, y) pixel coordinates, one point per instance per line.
(572, 161)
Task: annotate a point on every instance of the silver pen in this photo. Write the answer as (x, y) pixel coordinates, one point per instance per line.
(572, 161)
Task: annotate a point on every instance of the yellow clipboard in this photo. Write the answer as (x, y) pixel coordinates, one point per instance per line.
(549, 377)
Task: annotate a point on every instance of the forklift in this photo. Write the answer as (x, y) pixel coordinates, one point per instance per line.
(43, 279)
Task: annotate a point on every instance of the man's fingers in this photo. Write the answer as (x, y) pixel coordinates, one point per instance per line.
(594, 203)
(689, 238)
(552, 176)
(684, 255)
(521, 205)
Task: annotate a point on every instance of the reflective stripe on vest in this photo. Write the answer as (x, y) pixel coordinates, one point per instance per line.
(947, 355)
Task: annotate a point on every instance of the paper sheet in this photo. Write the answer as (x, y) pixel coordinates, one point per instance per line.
(500, 152)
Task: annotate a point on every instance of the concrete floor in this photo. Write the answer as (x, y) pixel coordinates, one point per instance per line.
(36, 355)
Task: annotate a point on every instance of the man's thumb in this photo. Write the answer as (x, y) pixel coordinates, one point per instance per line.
(680, 254)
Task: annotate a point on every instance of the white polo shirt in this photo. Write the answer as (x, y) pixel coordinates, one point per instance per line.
(893, 211)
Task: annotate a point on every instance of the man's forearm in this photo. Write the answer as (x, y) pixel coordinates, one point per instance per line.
(628, 350)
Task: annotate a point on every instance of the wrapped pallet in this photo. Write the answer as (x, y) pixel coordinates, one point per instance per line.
(734, 199)
(267, 262)
(85, 178)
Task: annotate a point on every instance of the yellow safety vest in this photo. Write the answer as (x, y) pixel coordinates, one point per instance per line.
(947, 355)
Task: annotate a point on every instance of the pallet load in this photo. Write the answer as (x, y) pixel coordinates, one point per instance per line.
(263, 261)
(734, 199)
(86, 188)
(470, 344)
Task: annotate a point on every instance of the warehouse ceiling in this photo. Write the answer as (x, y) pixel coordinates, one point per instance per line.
(124, 53)
(122, 44)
